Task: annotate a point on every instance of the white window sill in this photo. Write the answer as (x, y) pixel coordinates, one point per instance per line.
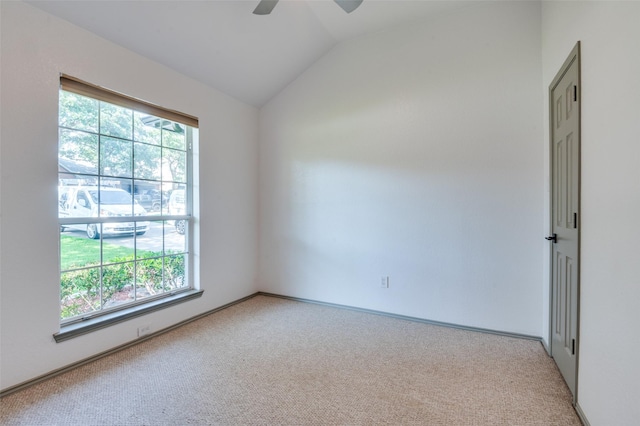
(92, 324)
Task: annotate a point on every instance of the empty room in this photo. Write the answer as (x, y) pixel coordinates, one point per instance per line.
(319, 212)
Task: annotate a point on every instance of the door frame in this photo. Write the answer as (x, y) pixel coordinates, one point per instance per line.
(574, 57)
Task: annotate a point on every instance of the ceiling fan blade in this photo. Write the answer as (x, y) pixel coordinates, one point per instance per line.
(265, 7)
(348, 5)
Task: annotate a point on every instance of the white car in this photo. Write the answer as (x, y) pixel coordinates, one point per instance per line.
(177, 206)
(82, 202)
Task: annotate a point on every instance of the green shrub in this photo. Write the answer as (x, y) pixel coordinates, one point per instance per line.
(80, 290)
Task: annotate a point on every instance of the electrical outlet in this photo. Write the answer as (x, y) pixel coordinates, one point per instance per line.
(144, 330)
(384, 282)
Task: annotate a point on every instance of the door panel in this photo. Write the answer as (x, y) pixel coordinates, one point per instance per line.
(565, 203)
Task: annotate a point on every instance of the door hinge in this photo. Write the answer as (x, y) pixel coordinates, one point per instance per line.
(575, 93)
(573, 346)
(575, 221)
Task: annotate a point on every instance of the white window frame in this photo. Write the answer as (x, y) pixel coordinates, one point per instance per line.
(85, 323)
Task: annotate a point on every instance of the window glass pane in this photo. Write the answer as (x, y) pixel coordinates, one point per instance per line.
(64, 201)
(149, 267)
(147, 163)
(117, 284)
(78, 112)
(178, 201)
(174, 272)
(66, 184)
(114, 202)
(76, 250)
(116, 248)
(115, 157)
(116, 121)
(175, 240)
(149, 277)
(149, 196)
(173, 135)
(76, 201)
(165, 201)
(176, 161)
(149, 242)
(146, 128)
(79, 292)
(118, 183)
(77, 154)
(117, 229)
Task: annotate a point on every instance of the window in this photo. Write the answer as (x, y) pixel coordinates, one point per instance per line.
(124, 202)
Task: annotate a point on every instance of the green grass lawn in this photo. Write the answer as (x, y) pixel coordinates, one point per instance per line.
(76, 252)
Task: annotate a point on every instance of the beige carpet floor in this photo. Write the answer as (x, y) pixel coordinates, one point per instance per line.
(269, 361)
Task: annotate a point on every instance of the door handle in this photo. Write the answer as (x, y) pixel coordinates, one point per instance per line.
(553, 238)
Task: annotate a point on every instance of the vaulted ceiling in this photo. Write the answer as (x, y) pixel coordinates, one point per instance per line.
(224, 45)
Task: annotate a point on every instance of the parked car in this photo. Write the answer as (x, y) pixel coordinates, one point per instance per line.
(178, 206)
(82, 202)
(151, 199)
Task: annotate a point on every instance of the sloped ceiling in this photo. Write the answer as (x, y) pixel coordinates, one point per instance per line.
(224, 45)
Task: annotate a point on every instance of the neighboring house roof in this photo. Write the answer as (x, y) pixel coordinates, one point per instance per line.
(71, 167)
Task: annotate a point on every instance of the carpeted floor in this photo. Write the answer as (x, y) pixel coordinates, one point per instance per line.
(269, 361)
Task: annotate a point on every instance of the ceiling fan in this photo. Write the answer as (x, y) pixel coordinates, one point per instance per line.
(266, 6)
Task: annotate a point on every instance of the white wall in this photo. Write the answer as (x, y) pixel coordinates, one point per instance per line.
(609, 371)
(36, 48)
(414, 153)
